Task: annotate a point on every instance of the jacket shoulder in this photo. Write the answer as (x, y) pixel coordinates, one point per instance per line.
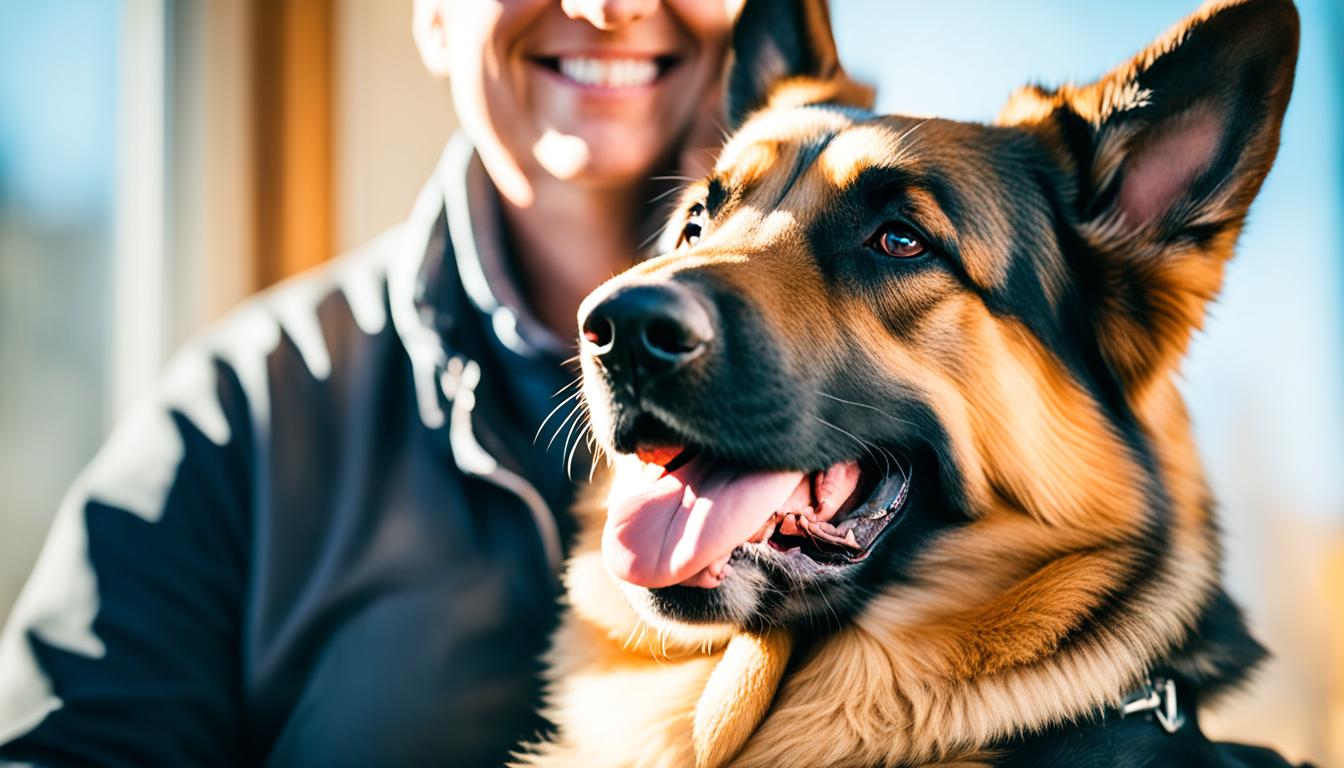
(345, 294)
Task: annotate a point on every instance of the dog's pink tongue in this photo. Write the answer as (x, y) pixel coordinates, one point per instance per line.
(664, 528)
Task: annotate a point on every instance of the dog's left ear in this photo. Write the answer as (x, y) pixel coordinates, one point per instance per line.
(1170, 149)
(784, 55)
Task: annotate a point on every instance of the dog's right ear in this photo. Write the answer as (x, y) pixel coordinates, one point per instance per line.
(784, 54)
(1169, 149)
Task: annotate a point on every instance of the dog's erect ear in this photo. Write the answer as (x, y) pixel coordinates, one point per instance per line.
(1170, 150)
(783, 45)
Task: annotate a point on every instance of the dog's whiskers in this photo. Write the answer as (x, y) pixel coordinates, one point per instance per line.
(898, 151)
(564, 447)
(866, 405)
(576, 382)
(542, 426)
(583, 431)
(942, 456)
(630, 638)
(668, 193)
(560, 427)
(872, 449)
(898, 420)
(657, 233)
(830, 609)
(595, 452)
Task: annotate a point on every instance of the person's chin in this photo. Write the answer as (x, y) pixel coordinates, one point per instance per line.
(600, 158)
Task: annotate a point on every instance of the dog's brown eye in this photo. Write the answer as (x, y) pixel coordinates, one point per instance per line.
(695, 221)
(898, 241)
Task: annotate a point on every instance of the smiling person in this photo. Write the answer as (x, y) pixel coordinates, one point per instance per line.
(328, 537)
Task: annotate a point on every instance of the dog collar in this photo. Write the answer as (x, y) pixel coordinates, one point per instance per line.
(1156, 699)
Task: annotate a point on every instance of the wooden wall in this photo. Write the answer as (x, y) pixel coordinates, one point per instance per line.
(292, 81)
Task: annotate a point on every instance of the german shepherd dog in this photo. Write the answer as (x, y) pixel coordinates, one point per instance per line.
(899, 471)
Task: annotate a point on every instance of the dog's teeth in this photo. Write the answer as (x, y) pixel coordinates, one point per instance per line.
(824, 510)
(835, 484)
(830, 534)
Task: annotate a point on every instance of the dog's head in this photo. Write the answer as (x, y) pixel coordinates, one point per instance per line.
(888, 352)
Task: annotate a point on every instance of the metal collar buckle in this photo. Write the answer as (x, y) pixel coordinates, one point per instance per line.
(1158, 696)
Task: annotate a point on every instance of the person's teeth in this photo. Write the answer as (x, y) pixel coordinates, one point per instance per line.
(609, 73)
(570, 68)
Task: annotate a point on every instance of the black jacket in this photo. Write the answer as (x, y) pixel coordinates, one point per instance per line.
(313, 543)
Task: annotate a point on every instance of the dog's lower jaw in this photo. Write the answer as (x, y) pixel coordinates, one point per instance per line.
(738, 603)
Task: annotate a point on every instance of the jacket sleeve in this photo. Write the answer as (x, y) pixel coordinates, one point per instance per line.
(123, 648)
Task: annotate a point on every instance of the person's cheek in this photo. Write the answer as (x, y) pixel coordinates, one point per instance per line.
(709, 23)
(486, 39)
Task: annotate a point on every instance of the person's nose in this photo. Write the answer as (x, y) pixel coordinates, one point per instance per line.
(609, 15)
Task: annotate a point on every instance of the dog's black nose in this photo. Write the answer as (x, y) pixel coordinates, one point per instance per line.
(654, 328)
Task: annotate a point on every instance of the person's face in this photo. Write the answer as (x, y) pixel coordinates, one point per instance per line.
(595, 91)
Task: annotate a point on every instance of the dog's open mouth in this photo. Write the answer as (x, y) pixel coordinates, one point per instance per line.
(677, 516)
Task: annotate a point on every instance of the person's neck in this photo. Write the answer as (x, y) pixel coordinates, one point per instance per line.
(566, 240)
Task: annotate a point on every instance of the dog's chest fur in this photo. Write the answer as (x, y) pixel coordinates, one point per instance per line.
(622, 694)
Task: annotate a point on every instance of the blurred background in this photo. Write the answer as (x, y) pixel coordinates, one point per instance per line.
(162, 159)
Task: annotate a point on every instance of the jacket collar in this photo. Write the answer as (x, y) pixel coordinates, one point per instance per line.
(450, 261)
(479, 249)
(453, 244)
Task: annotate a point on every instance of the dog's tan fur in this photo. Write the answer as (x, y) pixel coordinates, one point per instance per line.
(991, 636)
